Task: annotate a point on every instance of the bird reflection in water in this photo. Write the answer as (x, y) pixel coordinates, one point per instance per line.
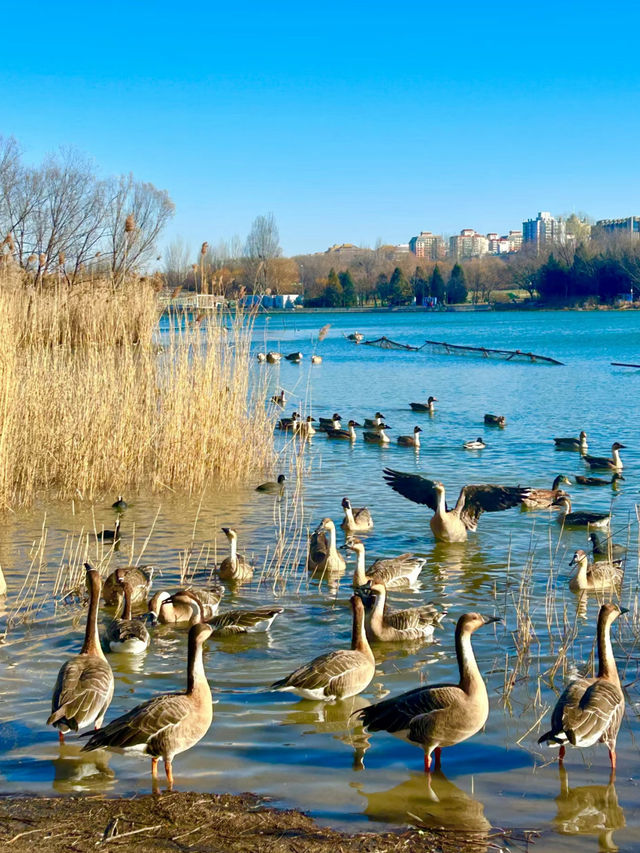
(589, 810)
(461, 563)
(76, 771)
(332, 718)
(431, 799)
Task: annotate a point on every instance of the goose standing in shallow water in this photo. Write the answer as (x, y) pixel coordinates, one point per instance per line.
(443, 714)
(411, 440)
(168, 724)
(590, 710)
(414, 623)
(323, 555)
(125, 634)
(613, 464)
(579, 444)
(594, 577)
(356, 519)
(391, 571)
(235, 567)
(544, 498)
(604, 548)
(170, 609)
(581, 518)
(339, 674)
(84, 687)
(452, 525)
(425, 407)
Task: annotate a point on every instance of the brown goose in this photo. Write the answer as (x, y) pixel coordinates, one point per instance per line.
(235, 567)
(169, 609)
(594, 577)
(590, 710)
(425, 407)
(572, 443)
(124, 634)
(411, 440)
(84, 687)
(581, 518)
(613, 464)
(336, 675)
(348, 434)
(323, 555)
(273, 487)
(442, 714)
(139, 579)
(280, 399)
(391, 571)
(599, 481)
(495, 420)
(452, 525)
(256, 621)
(415, 623)
(356, 519)
(544, 498)
(169, 723)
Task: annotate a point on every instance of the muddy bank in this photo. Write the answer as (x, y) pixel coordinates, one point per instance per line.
(202, 823)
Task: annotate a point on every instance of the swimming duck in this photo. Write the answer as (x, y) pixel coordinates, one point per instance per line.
(273, 357)
(110, 535)
(334, 422)
(375, 421)
(323, 555)
(415, 623)
(234, 567)
(84, 687)
(377, 436)
(425, 407)
(339, 674)
(316, 359)
(599, 481)
(167, 724)
(120, 505)
(411, 440)
(139, 579)
(272, 488)
(597, 576)
(172, 608)
(579, 519)
(477, 444)
(289, 423)
(443, 714)
(294, 357)
(355, 336)
(453, 525)
(391, 571)
(344, 434)
(125, 634)
(255, 621)
(356, 519)
(280, 399)
(613, 464)
(572, 443)
(604, 548)
(495, 420)
(544, 498)
(590, 710)
(306, 428)
(261, 357)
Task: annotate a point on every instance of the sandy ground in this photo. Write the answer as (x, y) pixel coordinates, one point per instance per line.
(202, 823)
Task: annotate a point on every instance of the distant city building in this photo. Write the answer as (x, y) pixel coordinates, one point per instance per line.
(515, 240)
(544, 230)
(502, 245)
(427, 245)
(629, 226)
(402, 249)
(468, 244)
(344, 251)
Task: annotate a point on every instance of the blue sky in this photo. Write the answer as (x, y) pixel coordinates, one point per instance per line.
(349, 121)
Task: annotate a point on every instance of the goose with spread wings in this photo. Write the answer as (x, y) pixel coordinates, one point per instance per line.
(452, 525)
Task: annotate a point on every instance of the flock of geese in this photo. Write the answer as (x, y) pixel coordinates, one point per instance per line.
(433, 717)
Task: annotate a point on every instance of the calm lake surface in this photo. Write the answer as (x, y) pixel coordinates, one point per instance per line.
(306, 754)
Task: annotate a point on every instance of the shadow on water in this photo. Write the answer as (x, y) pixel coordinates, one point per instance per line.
(591, 810)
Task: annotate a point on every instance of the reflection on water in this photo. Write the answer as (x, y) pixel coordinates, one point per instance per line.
(76, 771)
(431, 799)
(589, 810)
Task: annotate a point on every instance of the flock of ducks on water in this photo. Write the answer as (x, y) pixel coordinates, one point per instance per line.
(590, 710)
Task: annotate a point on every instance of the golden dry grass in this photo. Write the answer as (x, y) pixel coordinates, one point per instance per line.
(90, 405)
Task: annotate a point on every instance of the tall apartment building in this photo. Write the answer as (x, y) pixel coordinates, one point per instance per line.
(628, 226)
(543, 230)
(468, 244)
(427, 245)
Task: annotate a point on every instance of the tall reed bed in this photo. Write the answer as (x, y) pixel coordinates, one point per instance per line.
(89, 404)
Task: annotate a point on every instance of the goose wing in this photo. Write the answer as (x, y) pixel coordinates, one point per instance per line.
(395, 714)
(83, 688)
(240, 621)
(414, 617)
(321, 671)
(318, 547)
(474, 500)
(412, 486)
(121, 630)
(600, 708)
(389, 568)
(143, 722)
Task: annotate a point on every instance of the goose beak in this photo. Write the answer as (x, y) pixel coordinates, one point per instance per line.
(151, 618)
(489, 619)
(355, 423)
(624, 610)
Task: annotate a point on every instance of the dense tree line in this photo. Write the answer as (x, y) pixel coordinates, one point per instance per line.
(603, 275)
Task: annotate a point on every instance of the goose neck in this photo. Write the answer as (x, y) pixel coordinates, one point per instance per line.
(442, 502)
(126, 610)
(233, 548)
(470, 678)
(606, 661)
(91, 645)
(377, 612)
(360, 576)
(196, 677)
(359, 642)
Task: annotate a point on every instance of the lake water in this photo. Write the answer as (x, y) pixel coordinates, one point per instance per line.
(307, 754)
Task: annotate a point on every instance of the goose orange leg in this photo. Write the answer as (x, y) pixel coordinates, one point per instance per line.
(169, 771)
(612, 759)
(60, 736)
(561, 754)
(438, 752)
(427, 762)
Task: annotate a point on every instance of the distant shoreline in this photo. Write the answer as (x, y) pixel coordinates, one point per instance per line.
(450, 309)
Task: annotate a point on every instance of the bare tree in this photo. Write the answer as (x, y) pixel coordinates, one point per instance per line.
(177, 262)
(261, 249)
